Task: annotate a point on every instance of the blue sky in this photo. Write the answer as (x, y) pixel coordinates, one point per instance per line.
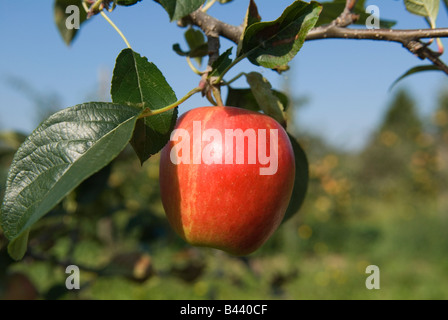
(346, 82)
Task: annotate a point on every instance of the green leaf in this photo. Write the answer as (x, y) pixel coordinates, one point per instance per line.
(63, 151)
(413, 71)
(224, 1)
(139, 82)
(221, 64)
(196, 42)
(127, 3)
(195, 38)
(426, 8)
(60, 18)
(199, 52)
(300, 181)
(179, 51)
(17, 247)
(284, 100)
(244, 98)
(266, 99)
(332, 10)
(177, 9)
(273, 44)
(252, 16)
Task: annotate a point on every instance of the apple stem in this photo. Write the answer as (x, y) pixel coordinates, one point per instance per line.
(217, 95)
(148, 112)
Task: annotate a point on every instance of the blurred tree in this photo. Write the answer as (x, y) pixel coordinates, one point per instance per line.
(440, 121)
(402, 117)
(389, 161)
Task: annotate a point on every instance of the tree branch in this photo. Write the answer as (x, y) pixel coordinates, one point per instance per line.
(212, 26)
(213, 49)
(410, 39)
(423, 52)
(336, 30)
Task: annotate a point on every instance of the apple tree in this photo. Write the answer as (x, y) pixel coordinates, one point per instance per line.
(75, 143)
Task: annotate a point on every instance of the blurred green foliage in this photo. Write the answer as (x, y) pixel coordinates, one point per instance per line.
(385, 205)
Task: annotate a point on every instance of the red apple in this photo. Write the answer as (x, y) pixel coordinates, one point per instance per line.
(226, 178)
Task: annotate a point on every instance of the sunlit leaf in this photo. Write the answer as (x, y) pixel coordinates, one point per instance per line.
(63, 151)
(425, 8)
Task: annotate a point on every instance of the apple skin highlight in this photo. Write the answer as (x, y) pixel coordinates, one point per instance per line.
(231, 207)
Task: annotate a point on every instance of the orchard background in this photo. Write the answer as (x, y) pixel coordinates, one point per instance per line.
(378, 167)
